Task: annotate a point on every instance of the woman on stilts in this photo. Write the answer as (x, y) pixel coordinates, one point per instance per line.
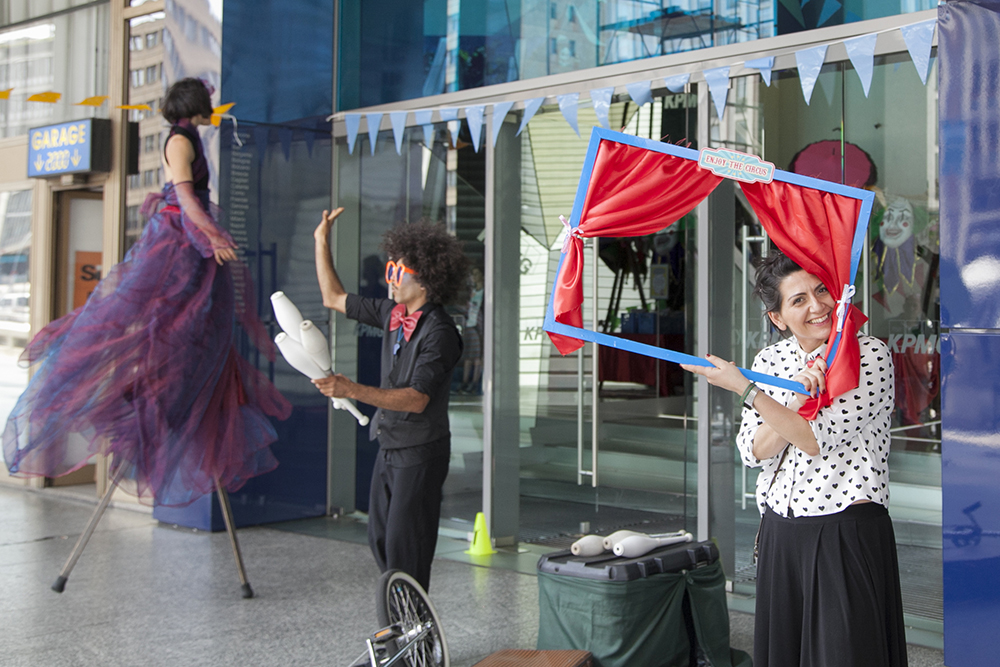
(146, 372)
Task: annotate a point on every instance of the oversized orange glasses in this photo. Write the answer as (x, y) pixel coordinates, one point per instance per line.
(394, 272)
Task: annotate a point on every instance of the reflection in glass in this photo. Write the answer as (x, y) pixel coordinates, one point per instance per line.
(15, 327)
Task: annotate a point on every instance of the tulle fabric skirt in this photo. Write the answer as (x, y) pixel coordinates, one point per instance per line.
(147, 372)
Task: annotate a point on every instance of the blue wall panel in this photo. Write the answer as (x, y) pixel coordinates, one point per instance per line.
(969, 133)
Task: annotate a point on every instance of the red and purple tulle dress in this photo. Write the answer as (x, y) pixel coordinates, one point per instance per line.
(147, 371)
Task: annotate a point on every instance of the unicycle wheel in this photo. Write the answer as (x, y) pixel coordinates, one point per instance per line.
(401, 601)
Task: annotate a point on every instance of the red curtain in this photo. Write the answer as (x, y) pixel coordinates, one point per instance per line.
(816, 230)
(633, 192)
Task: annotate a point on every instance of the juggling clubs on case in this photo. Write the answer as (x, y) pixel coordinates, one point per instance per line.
(614, 538)
(60, 583)
(227, 517)
(640, 545)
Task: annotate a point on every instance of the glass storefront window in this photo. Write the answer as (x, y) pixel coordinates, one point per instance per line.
(15, 289)
(395, 50)
(66, 53)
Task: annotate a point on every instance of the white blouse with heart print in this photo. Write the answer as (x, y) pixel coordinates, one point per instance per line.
(853, 437)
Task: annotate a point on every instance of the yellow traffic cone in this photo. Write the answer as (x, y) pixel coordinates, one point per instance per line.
(481, 544)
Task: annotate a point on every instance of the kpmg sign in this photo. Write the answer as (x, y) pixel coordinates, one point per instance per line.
(76, 147)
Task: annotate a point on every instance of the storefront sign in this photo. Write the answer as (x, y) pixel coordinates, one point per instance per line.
(733, 164)
(76, 147)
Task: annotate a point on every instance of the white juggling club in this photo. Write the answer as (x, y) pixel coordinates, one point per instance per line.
(614, 538)
(588, 545)
(292, 342)
(288, 316)
(315, 344)
(640, 545)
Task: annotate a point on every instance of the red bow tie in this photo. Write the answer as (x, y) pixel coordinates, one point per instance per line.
(409, 322)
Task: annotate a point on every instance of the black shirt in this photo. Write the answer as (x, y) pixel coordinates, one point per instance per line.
(424, 363)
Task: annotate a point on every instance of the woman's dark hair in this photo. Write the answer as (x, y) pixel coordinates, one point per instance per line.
(434, 254)
(771, 270)
(186, 98)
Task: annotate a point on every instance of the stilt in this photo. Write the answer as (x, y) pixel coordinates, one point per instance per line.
(227, 516)
(81, 543)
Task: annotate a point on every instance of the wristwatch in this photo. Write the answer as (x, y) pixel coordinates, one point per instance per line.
(751, 395)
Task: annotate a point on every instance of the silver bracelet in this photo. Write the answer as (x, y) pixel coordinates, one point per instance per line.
(751, 395)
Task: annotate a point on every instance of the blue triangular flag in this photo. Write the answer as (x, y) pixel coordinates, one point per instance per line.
(260, 138)
(449, 115)
(310, 136)
(861, 51)
(500, 111)
(810, 62)
(285, 137)
(830, 8)
(353, 122)
(601, 99)
(765, 65)
(398, 120)
(423, 118)
(718, 84)
(374, 123)
(918, 38)
(531, 107)
(474, 117)
(567, 105)
(640, 92)
(676, 83)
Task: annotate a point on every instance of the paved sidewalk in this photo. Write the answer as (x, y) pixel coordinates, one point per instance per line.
(148, 594)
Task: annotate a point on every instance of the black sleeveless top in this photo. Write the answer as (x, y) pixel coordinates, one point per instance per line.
(199, 166)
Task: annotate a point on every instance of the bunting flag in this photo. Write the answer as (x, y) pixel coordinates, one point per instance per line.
(352, 121)
(218, 112)
(601, 99)
(224, 108)
(310, 137)
(810, 62)
(95, 101)
(718, 84)
(531, 107)
(861, 51)
(49, 97)
(423, 118)
(677, 82)
(474, 118)
(261, 135)
(5, 94)
(918, 38)
(500, 111)
(285, 137)
(374, 125)
(640, 92)
(134, 107)
(567, 105)
(830, 8)
(398, 121)
(450, 116)
(764, 65)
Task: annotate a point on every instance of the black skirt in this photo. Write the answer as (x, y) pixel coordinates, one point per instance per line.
(828, 591)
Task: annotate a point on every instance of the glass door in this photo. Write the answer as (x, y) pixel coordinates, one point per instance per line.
(606, 438)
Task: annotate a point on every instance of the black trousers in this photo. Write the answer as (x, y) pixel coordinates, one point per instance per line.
(404, 507)
(828, 591)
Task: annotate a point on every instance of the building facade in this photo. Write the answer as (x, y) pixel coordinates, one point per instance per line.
(366, 106)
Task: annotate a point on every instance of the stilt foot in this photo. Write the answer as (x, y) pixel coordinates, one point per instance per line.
(247, 591)
(60, 584)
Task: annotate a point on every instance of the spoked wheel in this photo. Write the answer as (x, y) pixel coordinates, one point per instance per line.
(401, 601)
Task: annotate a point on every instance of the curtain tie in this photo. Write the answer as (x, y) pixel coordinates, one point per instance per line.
(571, 232)
(843, 304)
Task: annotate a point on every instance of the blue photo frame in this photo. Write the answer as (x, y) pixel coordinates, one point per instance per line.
(600, 134)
